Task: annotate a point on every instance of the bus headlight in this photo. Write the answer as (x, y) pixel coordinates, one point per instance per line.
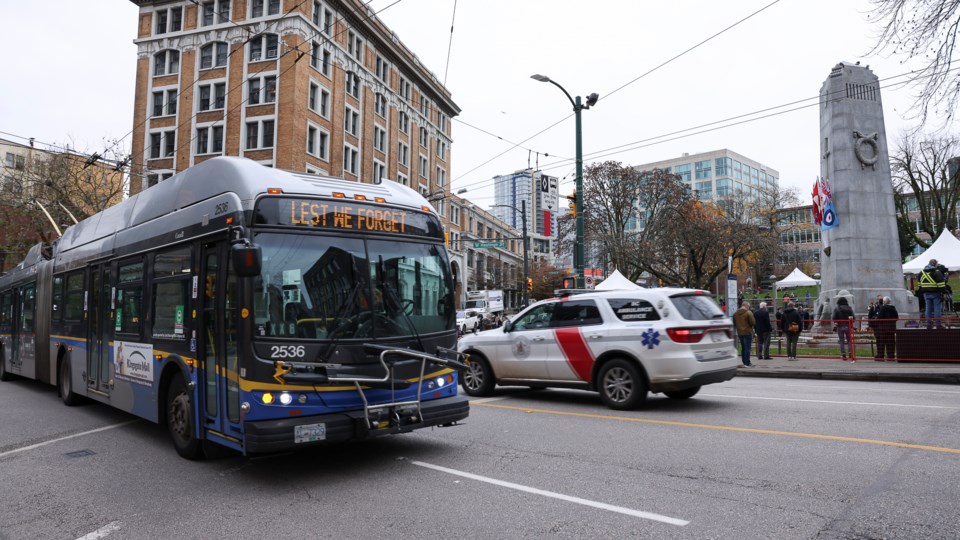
(440, 382)
(286, 398)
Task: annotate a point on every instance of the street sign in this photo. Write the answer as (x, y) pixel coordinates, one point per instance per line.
(493, 244)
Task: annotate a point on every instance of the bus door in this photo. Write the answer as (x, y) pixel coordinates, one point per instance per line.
(23, 342)
(218, 342)
(99, 328)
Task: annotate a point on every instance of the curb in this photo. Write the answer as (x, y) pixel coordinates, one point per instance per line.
(872, 376)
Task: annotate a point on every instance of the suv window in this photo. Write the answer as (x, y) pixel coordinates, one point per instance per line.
(538, 317)
(628, 309)
(576, 313)
(696, 307)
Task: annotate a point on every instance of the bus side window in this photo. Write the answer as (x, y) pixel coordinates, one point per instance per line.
(130, 298)
(170, 293)
(73, 305)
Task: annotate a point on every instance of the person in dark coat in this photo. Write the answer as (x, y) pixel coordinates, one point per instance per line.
(791, 324)
(843, 322)
(779, 315)
(763, 330)
(886, 331)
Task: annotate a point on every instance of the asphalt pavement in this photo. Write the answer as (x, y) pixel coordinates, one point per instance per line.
(864, 369)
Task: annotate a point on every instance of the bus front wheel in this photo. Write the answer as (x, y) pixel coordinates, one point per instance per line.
(180, 420)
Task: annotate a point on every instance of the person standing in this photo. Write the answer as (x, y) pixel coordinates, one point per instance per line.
(932, 283)
(843, 321)
(791, 324)
(745, 322)
(763, 330)
(887, 332)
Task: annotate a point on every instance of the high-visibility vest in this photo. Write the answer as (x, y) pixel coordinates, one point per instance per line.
(927, 281)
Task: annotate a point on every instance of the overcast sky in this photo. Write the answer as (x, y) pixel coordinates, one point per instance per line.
(69, 71)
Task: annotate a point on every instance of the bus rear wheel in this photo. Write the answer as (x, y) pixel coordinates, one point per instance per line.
(65, 383)
(180, 420)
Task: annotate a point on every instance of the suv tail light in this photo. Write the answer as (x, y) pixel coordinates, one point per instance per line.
(686, 335)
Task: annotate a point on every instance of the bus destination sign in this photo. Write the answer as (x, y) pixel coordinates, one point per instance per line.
(346, 215)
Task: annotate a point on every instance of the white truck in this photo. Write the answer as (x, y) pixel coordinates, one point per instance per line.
(484, 302)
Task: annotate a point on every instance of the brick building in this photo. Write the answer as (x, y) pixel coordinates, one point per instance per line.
(315, 86)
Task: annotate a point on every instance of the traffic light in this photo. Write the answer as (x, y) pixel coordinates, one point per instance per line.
(569, 283)
(529, 283)
(572, 204)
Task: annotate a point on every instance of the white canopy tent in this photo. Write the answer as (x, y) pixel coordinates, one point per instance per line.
(617, 282)
(796, 279)
(946, 250)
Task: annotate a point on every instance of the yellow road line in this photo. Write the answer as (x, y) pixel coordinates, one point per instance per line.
(722, 428)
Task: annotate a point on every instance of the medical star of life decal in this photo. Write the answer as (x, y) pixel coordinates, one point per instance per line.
(651, 338)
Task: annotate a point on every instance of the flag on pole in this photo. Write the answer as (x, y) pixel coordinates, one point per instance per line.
(828, 218)
(817, 212)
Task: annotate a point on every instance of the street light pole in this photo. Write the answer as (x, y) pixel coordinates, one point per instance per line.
(526, 260)
(578, 256)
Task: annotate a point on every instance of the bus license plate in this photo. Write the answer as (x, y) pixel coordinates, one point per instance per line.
(309, 433)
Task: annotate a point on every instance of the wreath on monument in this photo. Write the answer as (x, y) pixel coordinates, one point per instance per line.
(868, 140)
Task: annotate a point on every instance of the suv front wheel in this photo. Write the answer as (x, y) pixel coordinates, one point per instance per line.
(621, 385)
(477, 379)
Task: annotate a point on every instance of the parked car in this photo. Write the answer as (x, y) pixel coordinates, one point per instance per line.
(622, 344)
(468, 321)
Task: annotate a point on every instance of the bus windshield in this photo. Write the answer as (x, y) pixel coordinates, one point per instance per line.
(319, 287)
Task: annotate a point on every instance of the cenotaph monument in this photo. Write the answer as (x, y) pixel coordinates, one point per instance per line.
(861, 254)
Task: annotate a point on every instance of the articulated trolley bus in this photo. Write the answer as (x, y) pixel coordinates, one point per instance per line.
(241, 305)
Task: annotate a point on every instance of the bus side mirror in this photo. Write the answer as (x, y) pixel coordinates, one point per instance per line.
(246, 260)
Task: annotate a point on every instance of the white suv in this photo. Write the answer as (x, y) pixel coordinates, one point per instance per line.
(621, 344)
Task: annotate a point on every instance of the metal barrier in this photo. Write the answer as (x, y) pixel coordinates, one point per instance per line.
(900, 340)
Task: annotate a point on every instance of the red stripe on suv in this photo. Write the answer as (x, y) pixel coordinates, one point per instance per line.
(575, 350)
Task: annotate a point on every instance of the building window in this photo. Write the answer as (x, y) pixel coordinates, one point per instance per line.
(442, 122)
(263, 47)
(256, 7)
(424, 173)
(380, 139)
(403, 154)
(351, 121)
(379, 171)
(424, 138)
(155, 178)
(213, 55)
(210, 140)
(214, 12)
(404, 89)
(441, 178)
(169, 143)
(402, 179)
(212, 96)
(327, 22)
(166, 63)
(383, 70)
(262, 90)
(318, 142)
(165, 102)
(155, 139)
(441, 148)
(259, 134)
(425, 107)
(404, 123)
(380, 105)
(320, 59)
(454, 214)
(168, 20)
(350, 156)
(353, 84)
(355, 46)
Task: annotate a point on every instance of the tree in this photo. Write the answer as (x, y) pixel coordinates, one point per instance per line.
(926, 195)
(62, 184)
(650, 222)
(924, 29)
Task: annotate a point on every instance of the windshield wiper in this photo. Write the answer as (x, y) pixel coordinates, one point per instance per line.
(384, 284)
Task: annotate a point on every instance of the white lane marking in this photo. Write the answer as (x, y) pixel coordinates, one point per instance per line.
(873, 386)
(38, 445)
(560, 496)
(102, 532)
(906, 405)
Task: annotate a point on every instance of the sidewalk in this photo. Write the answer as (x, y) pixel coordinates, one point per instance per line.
(862, 370)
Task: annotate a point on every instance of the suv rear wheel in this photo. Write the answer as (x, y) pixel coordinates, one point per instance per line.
(621, 385)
